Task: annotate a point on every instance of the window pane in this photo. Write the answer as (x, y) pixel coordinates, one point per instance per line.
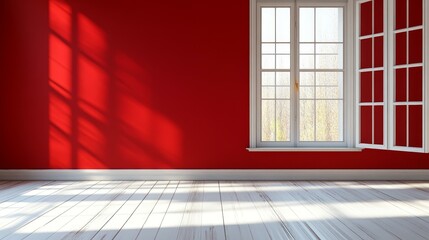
(329, 78)
(283, 92)
(306, 78)
(400, 125)
(283, 61)
(329, 120)
(330, 85)
(320, 117)
(306, 92)
(329, 48)
(268, 61)
(306, 61)
(268, 92)
(283, 120)
(306, 48)
(268, 78)
(329, 24)
(330, 56)
(268, 48)
(306, 24)
(328, 93)
(268, 24)
(282, 78)
(306, 120)
(283, 24)
(329, 61)
(283, 48)
(268, 120)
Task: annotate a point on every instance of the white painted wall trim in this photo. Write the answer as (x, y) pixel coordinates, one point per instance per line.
(303, 149)
(220, 174)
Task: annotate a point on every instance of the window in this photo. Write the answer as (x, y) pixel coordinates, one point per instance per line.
(320, 74)
(391, 87)
(339, 74)
(371, 74)
(300, 75)
(407, 71)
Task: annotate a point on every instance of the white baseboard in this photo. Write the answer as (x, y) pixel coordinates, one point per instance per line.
(218, 174)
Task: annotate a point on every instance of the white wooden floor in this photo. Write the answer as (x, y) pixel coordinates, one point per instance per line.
(213, 210)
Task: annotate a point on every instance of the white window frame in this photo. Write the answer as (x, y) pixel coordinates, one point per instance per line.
(426, 76)
(385, 77)
(348, 79)
(425, 73)
(389, 86)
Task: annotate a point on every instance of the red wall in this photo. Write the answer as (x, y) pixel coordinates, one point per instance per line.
(138, 84)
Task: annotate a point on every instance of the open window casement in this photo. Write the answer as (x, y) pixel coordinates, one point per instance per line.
(391, 75)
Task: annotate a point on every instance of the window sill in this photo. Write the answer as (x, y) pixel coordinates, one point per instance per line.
(304, 149)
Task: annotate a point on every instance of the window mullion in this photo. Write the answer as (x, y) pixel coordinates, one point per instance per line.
(295, 103)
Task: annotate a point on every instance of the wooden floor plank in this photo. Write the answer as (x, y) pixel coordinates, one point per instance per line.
(287, 209)
(327, 227)
(66, 213)
(212, 216)
(247, 213)
(118, 218)
(109, 207)
(169, 228)
(372, 225)
(275, 227)
(56, 216)
(76, 225)
(20, 189)
(391, 221)
(190, 227)
(405, 208)
(131, 228)
(416, 197)
(151, 226)
(42, 202)
(83, 212)
(26, 196)
(234, 228)
(36, 203)
(339, 209)
(214, 210)
(8, 184)
(334, 222)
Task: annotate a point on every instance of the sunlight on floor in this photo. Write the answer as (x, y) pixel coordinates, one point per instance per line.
(233, 210)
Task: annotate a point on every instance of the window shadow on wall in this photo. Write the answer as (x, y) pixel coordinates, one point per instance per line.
(100, 100)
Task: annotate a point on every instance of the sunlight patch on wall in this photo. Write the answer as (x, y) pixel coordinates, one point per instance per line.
(60, 85)
(60, 18)
(91, 40)
(60, 56)
(100, 99)
(92, 143)
(59, 114)
(92, 88)
(60, 149)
